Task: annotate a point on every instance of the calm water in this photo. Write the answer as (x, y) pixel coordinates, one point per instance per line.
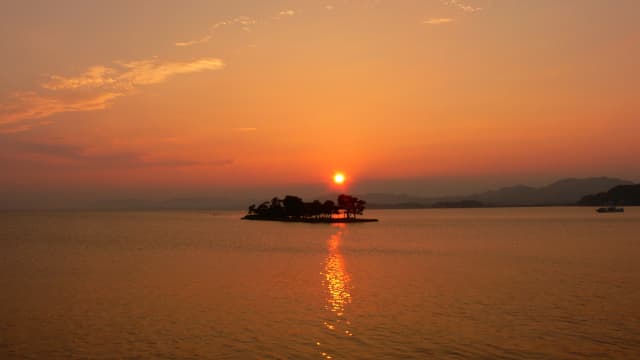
(478, 283)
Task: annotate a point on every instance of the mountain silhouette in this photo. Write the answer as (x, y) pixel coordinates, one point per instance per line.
(562, 192)
(619, 195)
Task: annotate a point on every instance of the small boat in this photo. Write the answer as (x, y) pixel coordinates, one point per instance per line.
(610, 209)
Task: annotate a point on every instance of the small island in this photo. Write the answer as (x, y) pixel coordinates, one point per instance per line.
(294, 209)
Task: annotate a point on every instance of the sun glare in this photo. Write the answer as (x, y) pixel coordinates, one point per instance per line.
(338, 178)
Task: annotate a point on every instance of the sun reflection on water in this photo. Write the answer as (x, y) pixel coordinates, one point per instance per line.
(337, 279)
(337, 282)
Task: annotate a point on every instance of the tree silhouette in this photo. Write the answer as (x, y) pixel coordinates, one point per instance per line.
(351, 205)
(294, 208)
(276, 209)
(316, 208)
(359, 207)
(328, 208)
(264, 209)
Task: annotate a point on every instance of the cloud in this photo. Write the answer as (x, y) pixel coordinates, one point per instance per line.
(438, 21)
(462, 6)
(95, 76)
(244, 22)
(287, 12)
(94, 89)
(284, 13)
(130, 74)
(31, 105)
(204, 39)
(147, 72)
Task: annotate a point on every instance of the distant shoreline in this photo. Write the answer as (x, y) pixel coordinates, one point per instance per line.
(426, 207)
(485, 206)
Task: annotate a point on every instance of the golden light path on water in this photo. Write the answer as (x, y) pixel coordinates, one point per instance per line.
(337, 282)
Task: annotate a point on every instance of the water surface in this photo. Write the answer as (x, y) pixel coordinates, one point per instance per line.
(476, 283)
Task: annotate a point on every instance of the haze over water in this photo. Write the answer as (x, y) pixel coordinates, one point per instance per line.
(477, 283)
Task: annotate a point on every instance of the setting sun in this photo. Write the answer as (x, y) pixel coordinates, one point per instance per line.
(338, 178)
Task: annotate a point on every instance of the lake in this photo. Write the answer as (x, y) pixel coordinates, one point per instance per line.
(513, 283)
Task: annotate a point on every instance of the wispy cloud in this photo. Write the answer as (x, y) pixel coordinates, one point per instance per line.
(95, 76)
(31, 105)
(287, 12)
(203, 39)
(147, 72)
(462, 5)
(438, 21)
(130, 74)
(244, 22)
(94, 89)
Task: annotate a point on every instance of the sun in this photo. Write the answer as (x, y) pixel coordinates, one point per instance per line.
(338, 178)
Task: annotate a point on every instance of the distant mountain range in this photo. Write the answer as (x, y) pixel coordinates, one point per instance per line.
(619, 195)
(562, 192)
(566, 191)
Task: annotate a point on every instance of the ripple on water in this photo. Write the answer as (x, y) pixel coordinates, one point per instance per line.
(522, 283)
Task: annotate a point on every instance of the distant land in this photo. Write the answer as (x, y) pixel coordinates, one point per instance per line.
(569, 191)
(562, 192)
(619, 195)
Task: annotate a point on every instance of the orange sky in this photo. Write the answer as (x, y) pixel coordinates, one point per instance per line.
(225, 96)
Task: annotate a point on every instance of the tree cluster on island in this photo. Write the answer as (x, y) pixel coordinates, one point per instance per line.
(294, 208)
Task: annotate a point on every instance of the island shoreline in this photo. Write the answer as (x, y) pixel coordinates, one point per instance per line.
(310, 221)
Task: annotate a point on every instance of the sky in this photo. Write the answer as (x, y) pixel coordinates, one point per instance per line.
(153, 99)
